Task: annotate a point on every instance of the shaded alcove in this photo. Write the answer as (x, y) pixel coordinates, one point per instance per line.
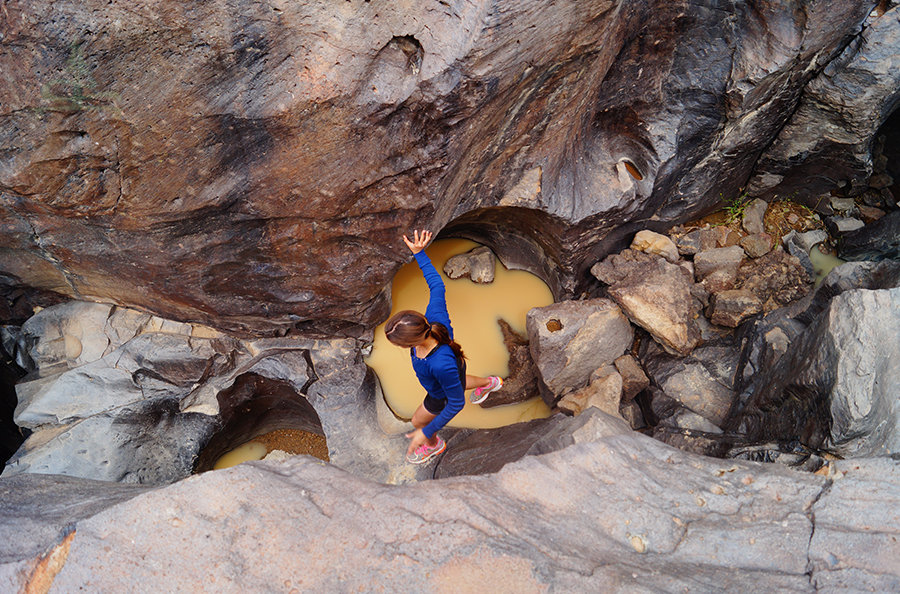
(522, 238)
(253, 406)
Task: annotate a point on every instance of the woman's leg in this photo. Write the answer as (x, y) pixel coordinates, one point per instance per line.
(421, 418)
(473, 381)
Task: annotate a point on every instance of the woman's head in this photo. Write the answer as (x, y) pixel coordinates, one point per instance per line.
(407, 328)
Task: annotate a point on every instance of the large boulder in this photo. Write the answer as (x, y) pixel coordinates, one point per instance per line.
(835, 388)
(655, 295)
(622, 512)
(249, 165)
(571, 339)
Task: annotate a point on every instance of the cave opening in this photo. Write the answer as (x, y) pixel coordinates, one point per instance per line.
(265, 412)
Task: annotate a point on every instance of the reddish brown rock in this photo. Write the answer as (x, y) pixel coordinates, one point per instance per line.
(251, 166)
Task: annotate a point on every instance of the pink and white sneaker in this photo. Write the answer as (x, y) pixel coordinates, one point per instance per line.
(424, 452)
(479, 395)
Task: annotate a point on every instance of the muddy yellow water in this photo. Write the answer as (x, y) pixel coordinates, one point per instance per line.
(474, 311)
(244, 453)
(823, 262)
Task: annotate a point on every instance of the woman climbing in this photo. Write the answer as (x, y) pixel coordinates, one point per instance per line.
(437, 359)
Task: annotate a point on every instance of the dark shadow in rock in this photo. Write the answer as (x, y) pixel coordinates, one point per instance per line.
(876, 241)
(255, 405)
(11, 436)
(488, 450)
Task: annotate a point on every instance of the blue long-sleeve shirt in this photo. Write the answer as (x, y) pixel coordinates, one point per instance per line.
(438, 371)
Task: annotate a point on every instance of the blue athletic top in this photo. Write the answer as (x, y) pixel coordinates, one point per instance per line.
(438, 371)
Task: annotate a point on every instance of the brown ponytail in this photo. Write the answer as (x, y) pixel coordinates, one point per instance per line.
(409, 328)
(442, 335)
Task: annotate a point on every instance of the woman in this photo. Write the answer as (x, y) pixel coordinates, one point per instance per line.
(437, 359)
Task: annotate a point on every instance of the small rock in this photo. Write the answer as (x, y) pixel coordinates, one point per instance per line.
(633, 377)
(730, 308)
(718, 259)
(653, 243)
(870, 214)
(880, 181)
(754, 214)
(842, 204)
(477, 264)
(841, 225)
(757, 245)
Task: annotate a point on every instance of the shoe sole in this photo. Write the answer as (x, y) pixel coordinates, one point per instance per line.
(484, 395)
(429, 456)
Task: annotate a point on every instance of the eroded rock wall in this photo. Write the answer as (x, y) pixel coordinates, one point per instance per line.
(250, 165)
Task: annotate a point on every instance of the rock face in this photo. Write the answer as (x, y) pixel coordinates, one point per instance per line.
(571, 339)
(119, 395)
(621, 512)
(248, 165)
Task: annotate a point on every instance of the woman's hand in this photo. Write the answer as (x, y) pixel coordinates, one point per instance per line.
(419, 242)
(416, 438)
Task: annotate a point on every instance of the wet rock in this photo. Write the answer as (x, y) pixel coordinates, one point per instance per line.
(703, 382)
(799, 244)
(655, 243)
(754, 213)
(604, 393)
(477, 264)
(730, 308)
(756, 245)
(633, 377)
(522, 382)
(569, 340)
(878, 241)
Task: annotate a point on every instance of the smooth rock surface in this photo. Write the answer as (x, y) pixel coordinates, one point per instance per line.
(624, 513)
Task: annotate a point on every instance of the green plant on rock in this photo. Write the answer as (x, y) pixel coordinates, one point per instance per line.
(75, 90)
(735, 207)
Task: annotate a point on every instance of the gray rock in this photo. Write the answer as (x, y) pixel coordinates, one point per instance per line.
(570, 339)
(878, 241)
(757, 245)
(754, 213)
(730, 308)
(725, 260)
(834, 388)
(841, 110)
(477, 452)
(703, 382)
(799, 244)
(477, 264)
(842, 225)
(842, 204)
(625, 508)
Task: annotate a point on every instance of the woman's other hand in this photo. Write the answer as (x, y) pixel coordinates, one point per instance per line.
(419, 241)
(416, 438)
